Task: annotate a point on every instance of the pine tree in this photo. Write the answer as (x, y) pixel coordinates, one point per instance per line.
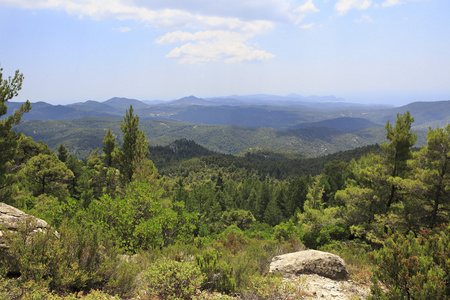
(135, 145)
(432, 173)
(47, 175)
(9, 140)
(109, 147)
(62, 153)
(398, 151)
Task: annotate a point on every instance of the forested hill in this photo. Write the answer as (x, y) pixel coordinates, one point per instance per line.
(347, 124)
(194, 163)
(83, 135)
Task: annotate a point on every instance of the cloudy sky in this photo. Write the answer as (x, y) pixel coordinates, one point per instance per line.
(377, 51)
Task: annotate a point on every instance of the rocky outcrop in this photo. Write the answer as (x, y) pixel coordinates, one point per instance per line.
(310, 262)
(11, 218)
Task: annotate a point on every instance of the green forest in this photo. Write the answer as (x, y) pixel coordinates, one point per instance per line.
(168, 222)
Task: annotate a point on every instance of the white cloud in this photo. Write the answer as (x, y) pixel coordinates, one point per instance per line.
(307, 26)
(273, 10)
(232, 18)
(388, 3)
(307, 7)
(343, 6)
(173, 14)
(212, 46)
(364, 19)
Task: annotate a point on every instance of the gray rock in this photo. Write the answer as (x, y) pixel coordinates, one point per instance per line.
(11, 218)
(310, 262)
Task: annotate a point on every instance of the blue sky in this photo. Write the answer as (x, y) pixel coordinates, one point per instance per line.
(367, 51)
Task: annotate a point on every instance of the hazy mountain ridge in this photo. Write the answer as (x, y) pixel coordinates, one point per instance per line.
(280, 112)
(225, 128)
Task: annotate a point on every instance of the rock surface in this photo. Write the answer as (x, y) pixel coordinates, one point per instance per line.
(310, 262)
(317, 287)
(11, 218)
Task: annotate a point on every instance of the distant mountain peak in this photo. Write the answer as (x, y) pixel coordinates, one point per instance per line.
(121, 102)
(191, 100)
(191, 97)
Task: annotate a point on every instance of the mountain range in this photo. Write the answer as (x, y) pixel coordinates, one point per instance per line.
(308, 126)
(279, 112)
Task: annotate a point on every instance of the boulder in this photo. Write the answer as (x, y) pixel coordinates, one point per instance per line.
(310, 262)
(11, 218)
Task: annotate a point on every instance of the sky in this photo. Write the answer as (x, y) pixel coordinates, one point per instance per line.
(365, 51)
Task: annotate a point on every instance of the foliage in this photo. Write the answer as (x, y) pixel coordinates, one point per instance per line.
(218, 273)
(232, 239)
(356, 254)
(429, 186)
(109, 148)
(72, 259)
(13, 289)
(285, 231)
(62, 153)
(170, 279)
(143, 218)
(398, 151)
(134, 148)
(9, 140)
(273, 287)
(232, 214)
(80, 136)
(47, 174)
(414, 267)
(320, 225)
(240, 218)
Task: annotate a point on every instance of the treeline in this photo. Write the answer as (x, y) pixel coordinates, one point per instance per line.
(193, 163)
(123, 226)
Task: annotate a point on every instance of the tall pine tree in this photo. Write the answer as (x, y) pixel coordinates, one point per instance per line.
(9, 140)
(398, 151)
(134, 148)
(109, 147)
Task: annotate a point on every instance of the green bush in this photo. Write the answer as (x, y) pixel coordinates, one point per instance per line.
(13, 289)
(233, 239)
(327, 234)
(218, 272)
(170, 279)
(74, 259)
(285, 231)
(413, 267)
(260, 231)
(253, 260)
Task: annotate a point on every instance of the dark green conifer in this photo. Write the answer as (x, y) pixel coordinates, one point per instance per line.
(109, 145)
(9, 140)
(62, 153)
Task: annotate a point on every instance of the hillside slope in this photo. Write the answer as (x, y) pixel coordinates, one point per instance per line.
(82, 135)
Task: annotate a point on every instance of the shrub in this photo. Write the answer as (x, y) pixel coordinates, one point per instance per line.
(76, 258)
(218, 272)
(260, 231)
(318, 237)
(413, 267)
(13, 289)
(170, 279)
(233, 239)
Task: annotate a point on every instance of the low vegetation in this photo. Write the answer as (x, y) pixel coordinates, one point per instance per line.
(207, 225)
